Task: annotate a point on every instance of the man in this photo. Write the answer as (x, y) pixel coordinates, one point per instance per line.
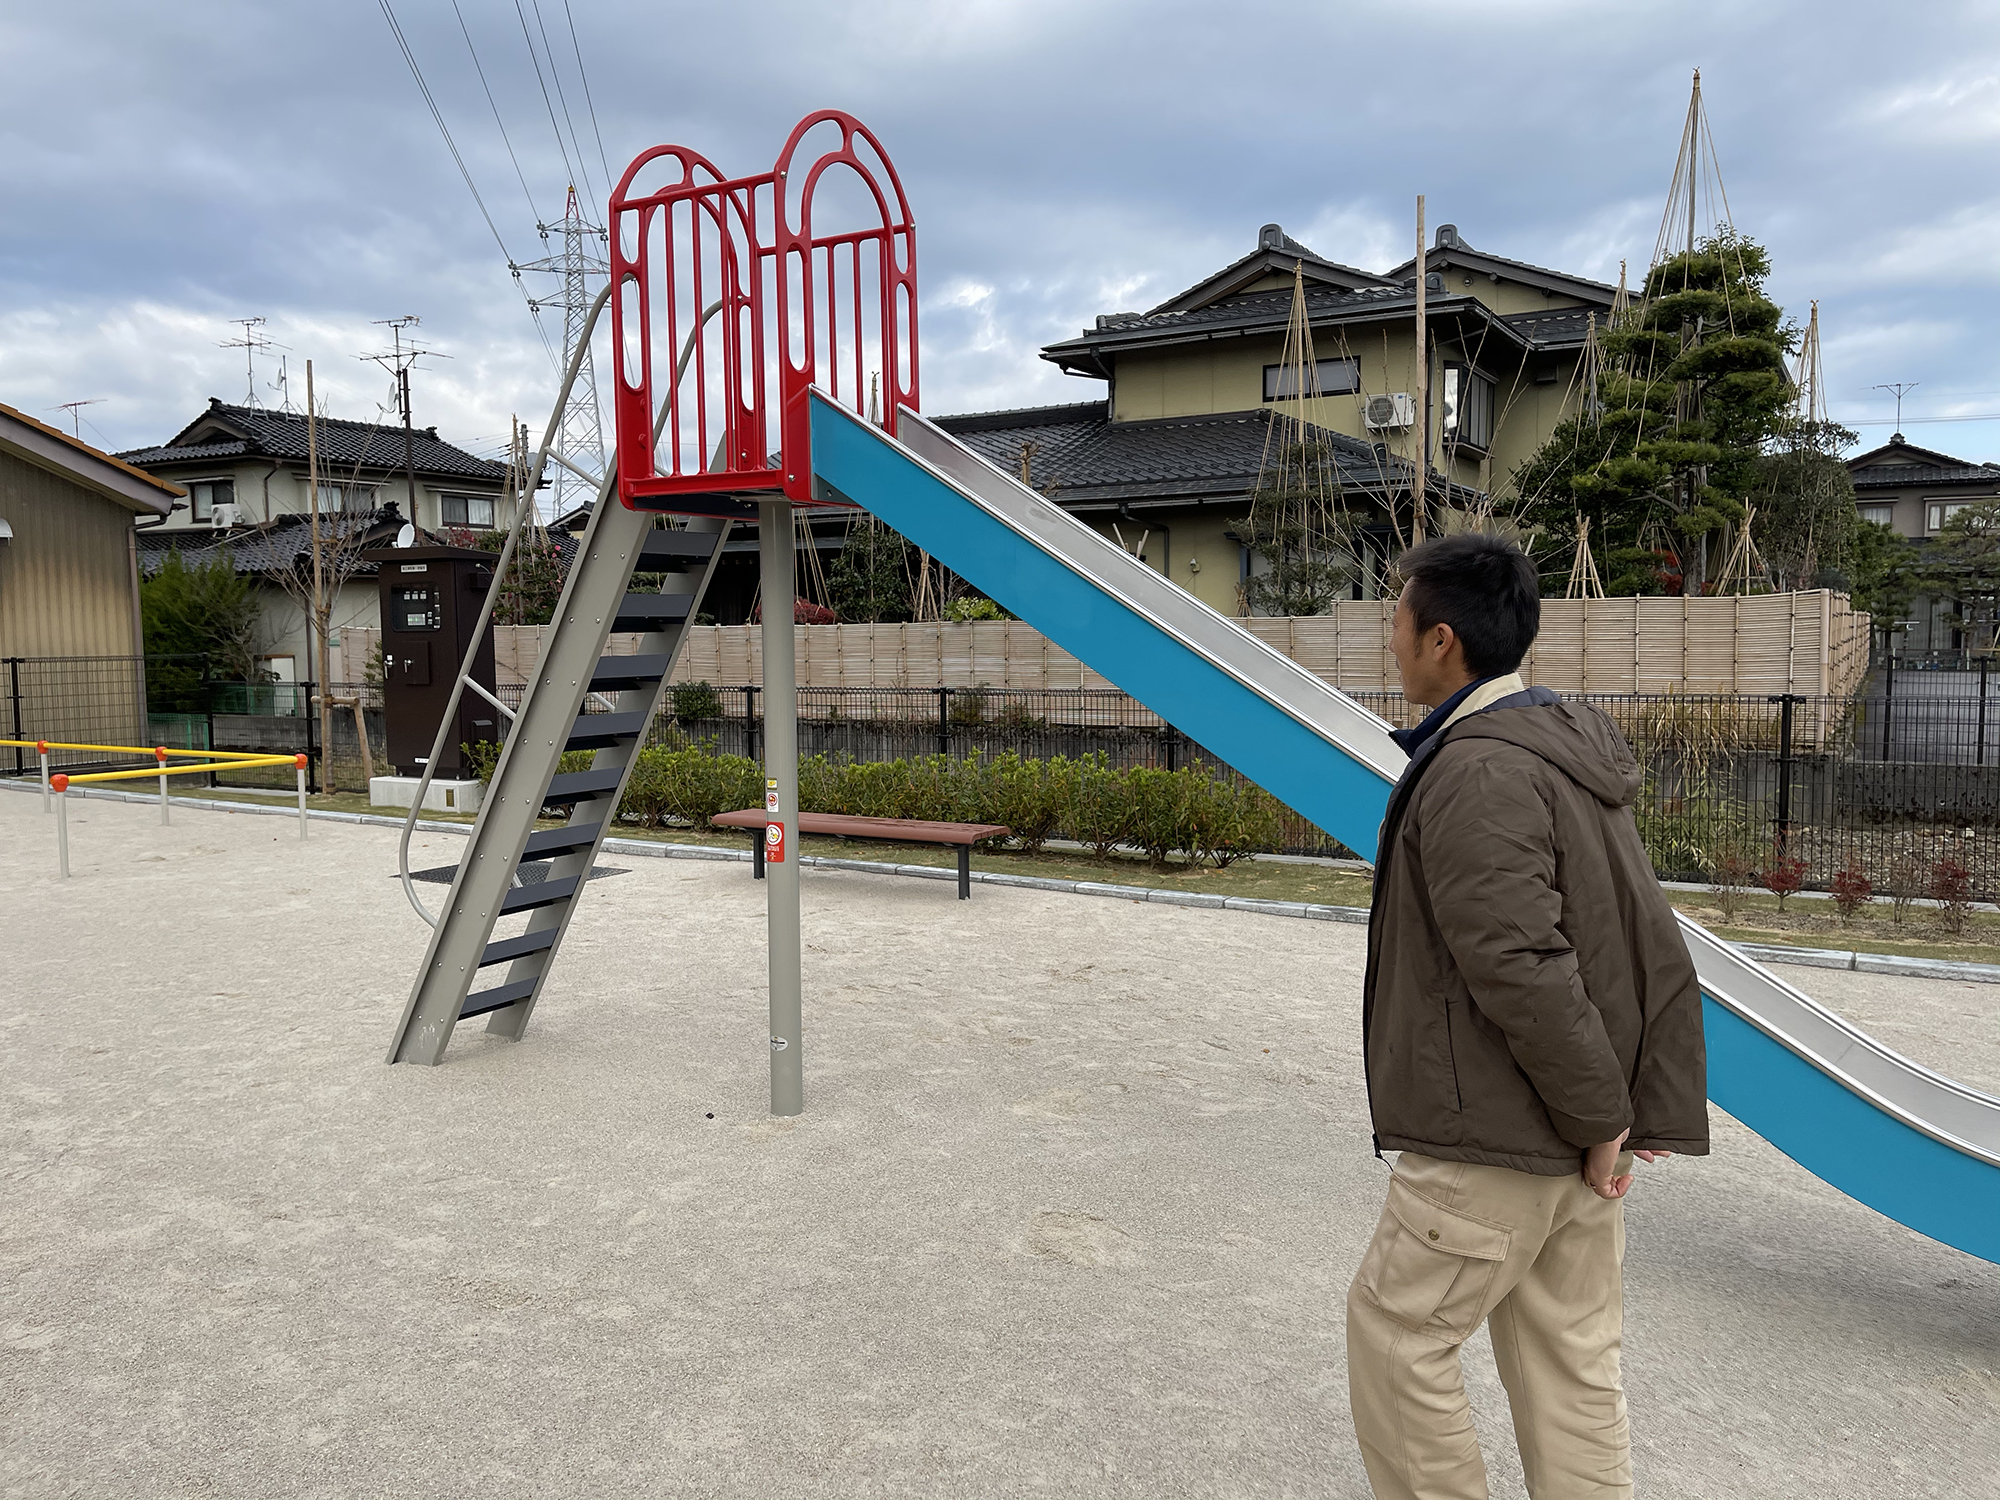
(1530, 1022)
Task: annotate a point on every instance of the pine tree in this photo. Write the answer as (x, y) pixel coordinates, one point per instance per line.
(1672, 444)
(207, 609)
(870, 579)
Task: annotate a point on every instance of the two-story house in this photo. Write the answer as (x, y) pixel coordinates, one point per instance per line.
(1167, 459)
(250, 499)
(1914, 491)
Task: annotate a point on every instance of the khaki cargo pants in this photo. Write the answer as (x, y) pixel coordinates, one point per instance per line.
(1542, 1257)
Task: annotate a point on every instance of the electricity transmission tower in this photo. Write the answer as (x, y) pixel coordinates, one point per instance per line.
(580, 440)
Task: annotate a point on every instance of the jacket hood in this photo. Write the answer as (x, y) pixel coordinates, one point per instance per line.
(1578, 740)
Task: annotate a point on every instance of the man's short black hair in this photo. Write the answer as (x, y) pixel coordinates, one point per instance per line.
(1484, 588)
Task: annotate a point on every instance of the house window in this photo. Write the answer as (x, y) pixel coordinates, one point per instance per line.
(1879, 515)
(1468, 407)
(1330, 377)
(354, 499)
(205, 494)
(1937, 512)
(466, 510)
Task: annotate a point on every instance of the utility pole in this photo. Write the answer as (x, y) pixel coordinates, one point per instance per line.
(580, 438)
(397, 361)
(1420, 482)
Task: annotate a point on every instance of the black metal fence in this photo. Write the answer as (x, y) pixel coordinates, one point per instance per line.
(1897, 783)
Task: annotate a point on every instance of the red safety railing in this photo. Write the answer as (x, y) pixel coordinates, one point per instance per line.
(730, 292)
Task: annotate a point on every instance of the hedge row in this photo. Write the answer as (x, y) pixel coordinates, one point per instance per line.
(1187, 811)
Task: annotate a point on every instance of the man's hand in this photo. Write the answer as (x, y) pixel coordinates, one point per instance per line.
(1598, 1163)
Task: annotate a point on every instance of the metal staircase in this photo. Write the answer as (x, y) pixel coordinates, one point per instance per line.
(555, 716)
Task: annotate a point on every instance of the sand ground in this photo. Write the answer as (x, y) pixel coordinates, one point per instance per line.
(1072, 1211)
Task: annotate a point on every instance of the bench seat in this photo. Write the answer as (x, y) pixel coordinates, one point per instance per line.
(898, 830)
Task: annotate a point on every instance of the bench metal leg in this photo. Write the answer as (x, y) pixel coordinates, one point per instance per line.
(965, 872)
(756, 854)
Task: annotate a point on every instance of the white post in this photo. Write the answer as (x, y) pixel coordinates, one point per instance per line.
(43, 747)
(161, 756)
(62, 828)
(301, 763)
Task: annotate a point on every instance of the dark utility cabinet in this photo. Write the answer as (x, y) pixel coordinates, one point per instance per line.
(430, 602)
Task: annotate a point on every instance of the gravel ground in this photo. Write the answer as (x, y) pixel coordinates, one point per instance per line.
(1072, 1211)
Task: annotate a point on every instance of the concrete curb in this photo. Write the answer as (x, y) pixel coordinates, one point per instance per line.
(1812, 958)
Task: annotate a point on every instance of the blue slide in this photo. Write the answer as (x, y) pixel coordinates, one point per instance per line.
(1907, 1142)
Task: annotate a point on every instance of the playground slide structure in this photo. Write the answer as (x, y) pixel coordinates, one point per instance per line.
(1909, 1143)
(753, 322)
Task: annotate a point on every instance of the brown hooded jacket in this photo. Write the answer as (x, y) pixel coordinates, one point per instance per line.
(1528, 994)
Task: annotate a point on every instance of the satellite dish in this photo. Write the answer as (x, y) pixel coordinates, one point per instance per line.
(407, 537)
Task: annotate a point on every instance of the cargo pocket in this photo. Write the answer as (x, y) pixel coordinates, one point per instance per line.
(1429, 1267)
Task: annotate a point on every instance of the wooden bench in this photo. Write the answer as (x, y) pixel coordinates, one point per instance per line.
(898, 830)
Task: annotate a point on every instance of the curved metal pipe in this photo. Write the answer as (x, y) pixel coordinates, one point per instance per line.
(522, 504)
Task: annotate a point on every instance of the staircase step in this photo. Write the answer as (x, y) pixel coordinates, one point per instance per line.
(595, 731)
(664, 548)
(652, 611)
(568, 839)
(577, 785)
(528, 897)
(479, 1003)
(506, 949)
(619, 672)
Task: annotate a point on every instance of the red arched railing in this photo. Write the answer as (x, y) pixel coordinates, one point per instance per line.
(733, 296)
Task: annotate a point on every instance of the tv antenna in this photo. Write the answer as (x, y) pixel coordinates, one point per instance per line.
(397, 360)
(252, 343)
(1899, 389)
(75, 408)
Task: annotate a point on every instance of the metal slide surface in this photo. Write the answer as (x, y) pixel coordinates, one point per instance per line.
(1908, 1142)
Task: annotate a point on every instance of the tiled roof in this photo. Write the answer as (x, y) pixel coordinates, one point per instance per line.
(1459, 253)
(1077, 454)
(1276, 252)
(1557, 328)
(278, 547)
(1888, 476)
(257, 432)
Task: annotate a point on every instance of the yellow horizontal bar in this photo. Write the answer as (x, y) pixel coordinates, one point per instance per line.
(146, 750)
(150, 772)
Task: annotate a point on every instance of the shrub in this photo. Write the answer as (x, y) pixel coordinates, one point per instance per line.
(1233, 820)
(968, 705)
(1730, 872)
(1783, 874)
(1029, 796)
(960, 611)
(1159, 808)
(1100, 812)
(1903, 881)
(696, 700)
(819, 784)
(1851, 889)
(1950, 885)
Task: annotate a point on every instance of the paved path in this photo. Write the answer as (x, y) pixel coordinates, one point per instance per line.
(1057, 1220)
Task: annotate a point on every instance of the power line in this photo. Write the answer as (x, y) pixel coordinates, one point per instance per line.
(535, 58)
(438, 115)
(533, 212)
(556, 73)
(1989, 416)
(592, 103)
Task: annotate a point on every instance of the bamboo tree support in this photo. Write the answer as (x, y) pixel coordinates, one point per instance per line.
(1420, 479)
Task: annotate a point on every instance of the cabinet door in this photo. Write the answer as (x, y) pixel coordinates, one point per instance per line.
(415, 659)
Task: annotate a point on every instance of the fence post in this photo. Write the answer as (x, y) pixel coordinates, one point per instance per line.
(944, 721)
(1888, 694)
(750, 723)
(208, 711)
(160, 755)
(1785, 702)
(315, 751)
(1979, 752)
(1173, 738)
(14, 673)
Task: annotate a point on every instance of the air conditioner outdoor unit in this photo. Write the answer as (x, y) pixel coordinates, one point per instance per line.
(224, 515)
(1393, 410)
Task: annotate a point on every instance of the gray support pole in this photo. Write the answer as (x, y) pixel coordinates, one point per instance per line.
(62, 831)
(302, 804)
(43, 747)
(777, 565)
(163, 789)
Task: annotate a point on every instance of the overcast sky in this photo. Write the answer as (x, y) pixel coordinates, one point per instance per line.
(168, 168)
